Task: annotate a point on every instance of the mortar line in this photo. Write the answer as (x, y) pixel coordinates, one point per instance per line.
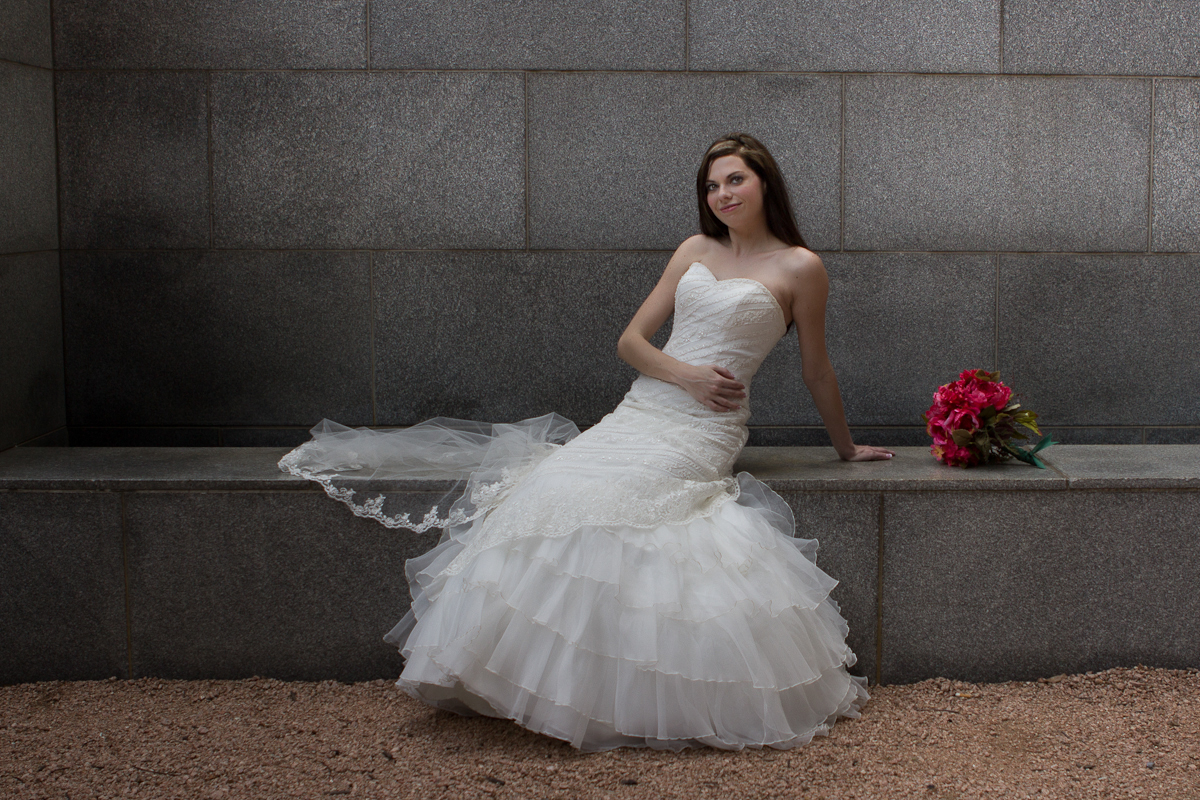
(842, 177)
(1001, 37)
(367, 32)
(879, 597)
(125, 579)
(212, 204)
(1150, 170)
(525, 84)
(371, 328)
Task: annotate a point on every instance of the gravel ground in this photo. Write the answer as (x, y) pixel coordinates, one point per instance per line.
(1120, 733)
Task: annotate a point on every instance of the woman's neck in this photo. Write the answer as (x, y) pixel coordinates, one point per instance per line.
(753, 239)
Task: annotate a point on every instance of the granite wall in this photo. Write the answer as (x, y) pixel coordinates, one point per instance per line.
(384, 210)
(32, 397)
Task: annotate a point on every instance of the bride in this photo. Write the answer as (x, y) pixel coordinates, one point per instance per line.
(621, 587)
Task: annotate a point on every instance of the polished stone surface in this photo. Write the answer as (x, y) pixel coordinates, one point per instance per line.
(847, 527)
(217, 338)
(882, 312)
(613, 157)
(1131, 37)
(32, 396)
(286, 585)
(1102, 340)
(62, 598)
(28, 193)
(368, 160)
(817, 436)
(211, 34)
(1176, 220)
(25, 34)
(912, 468)
(845, 35)
(477, 34)
(133, 159)
(499, 336)
(1149, 466)
(996, 163)
(1021, 585)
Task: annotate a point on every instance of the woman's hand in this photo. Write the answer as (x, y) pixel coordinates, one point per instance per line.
(716, 387)
(866, 453)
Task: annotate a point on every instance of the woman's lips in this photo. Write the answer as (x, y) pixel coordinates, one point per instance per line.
(730, 207)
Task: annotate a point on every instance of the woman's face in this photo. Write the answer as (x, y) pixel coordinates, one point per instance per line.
(735, 192)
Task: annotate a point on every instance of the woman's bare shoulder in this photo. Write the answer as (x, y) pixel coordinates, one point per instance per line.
(694, 248)
(802, 265)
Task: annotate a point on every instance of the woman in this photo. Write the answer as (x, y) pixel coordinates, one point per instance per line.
(624, 588)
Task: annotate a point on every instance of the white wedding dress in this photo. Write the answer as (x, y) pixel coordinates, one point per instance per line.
(623, 588)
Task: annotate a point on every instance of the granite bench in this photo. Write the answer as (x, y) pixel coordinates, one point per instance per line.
(211, 563)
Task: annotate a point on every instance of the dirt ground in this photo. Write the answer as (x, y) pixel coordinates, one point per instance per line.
(1120, 733)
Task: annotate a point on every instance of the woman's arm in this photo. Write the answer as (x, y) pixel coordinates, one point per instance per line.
(715, 387)
(810, 290)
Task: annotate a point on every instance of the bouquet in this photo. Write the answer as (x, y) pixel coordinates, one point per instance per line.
(973, 419)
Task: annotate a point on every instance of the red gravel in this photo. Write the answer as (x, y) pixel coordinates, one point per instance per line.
(1121, 733)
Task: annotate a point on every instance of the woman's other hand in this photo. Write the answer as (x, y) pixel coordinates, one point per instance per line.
(863, 452)
(716, 387)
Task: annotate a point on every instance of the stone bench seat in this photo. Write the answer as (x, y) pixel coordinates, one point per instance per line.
(211, 563)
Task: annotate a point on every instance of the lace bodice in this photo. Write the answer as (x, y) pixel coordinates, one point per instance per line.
(732, 323)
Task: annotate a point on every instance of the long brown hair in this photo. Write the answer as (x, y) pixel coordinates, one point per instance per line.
(776, 203)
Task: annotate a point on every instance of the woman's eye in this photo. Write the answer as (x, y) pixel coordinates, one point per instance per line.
(736, 179)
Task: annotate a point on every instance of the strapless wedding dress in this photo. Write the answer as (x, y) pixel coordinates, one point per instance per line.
(619, 587)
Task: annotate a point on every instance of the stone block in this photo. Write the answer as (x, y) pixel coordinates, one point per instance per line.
(82, 436)
(28, 193)
(613, 157)
(1132, 37)
(25, 35)
(217, 338)
(264, 437)
(1102, 340)
(500, 336)
(1038, 584)
(62, 596)
(1087, 434)
(1176, 219)
(819, 437)
(1142, 467)
(210, 34)
(285, 585)
(369, 160)
(138, 469)
(933, 313)
(818, 469)
(475, 34)
(847, 527)
(996, 163)
(1173, 436)
(32, 397)
(845, 36)
(133, 159)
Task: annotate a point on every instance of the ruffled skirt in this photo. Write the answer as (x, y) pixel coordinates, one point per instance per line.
(718, 630)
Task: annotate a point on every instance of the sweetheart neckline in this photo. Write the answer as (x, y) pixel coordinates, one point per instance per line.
(760, 284)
